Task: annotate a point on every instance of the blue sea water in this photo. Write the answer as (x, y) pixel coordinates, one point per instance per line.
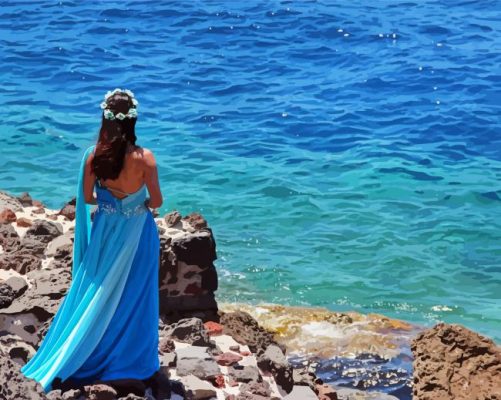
(346, 154)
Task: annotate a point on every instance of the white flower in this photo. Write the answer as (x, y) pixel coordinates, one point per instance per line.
(108, 95)
(120, 116)
(108, 114)
(117, 90)
(135, 102)
(129, 93)
(104, 105)
(132, 113)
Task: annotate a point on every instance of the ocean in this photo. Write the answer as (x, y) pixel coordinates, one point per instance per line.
(346, 154)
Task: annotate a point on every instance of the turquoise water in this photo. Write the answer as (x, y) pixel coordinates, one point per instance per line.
(345, 155)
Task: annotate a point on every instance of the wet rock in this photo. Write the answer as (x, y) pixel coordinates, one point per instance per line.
(245, 330)
(452, 362)
(44, 230)
(7, 216)
(9, 239)
(14, 385)
(189, 330)
(273, 360)
(244, 373)
(196, 360)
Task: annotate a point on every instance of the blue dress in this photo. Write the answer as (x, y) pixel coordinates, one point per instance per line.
(106, 326)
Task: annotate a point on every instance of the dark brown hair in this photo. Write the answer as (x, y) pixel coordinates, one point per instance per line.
(113, 137)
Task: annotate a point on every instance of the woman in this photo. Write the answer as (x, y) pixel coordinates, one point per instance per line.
(106, 327)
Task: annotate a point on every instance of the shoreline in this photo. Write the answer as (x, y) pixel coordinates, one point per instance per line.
(345, 354)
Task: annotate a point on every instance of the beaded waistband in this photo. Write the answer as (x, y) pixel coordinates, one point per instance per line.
(108, 208)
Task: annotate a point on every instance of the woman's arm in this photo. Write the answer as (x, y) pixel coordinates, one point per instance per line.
(151, 179)
(89, 180)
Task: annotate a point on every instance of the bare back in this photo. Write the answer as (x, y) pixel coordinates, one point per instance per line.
(139, 169)
(132, 175)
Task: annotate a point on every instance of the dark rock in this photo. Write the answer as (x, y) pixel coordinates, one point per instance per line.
(25, 199)
(44, 230)
(172, 218)
(18, 285)
(255, 391)
(196, 220)
(245, 330)
(100, 392)
(7, 295)
(303, 377)
(273, 360)
(14, 385)
(189, 330)
(160, 384)
(16, 348)
(9, 239)
(68, 209)
(33, 245)
(244, 373)
(41, 301)
(197, 361)
(20, 261)
(452, 362)
(63, 257)
(166, 345)
(197, 248)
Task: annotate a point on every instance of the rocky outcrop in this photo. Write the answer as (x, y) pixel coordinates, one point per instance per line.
(188, 277)
(204, 352)
(452, 362)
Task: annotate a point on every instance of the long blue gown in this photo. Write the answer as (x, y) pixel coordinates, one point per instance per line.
(106, 326)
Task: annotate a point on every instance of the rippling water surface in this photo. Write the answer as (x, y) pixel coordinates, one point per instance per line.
(346, 154)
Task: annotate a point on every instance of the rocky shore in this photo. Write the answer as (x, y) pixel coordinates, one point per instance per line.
(215, 350)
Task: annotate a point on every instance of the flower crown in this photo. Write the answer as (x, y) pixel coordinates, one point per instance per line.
(108, 114)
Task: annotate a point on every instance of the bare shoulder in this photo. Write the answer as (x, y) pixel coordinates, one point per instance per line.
(148, 157)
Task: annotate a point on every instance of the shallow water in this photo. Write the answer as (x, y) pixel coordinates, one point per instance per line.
(345, 154)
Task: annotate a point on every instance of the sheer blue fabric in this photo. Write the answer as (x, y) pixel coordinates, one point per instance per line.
(106, 326)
